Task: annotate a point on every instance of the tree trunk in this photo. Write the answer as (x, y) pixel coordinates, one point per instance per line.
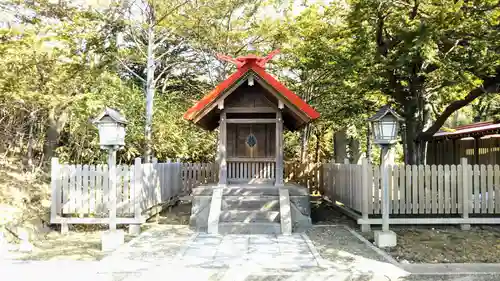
(368, 144)
(304, 143)
(30, 141)
(415, 150)
(340, 146)
(150, 92)
(411, 120)
(404, 144)
(317, 147)
(354, 147)
(54, 128)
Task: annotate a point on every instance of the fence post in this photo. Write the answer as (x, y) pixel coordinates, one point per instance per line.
(139, 173)
(178, 177)
(165, 179)
(329, 188)
(135, 228)
(346, 190)
(465, 193)
(55, 184)
(321, 176)
(156, 183)
(365, 187)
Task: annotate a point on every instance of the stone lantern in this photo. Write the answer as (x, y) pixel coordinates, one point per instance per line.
(385, 126)
(111, 125)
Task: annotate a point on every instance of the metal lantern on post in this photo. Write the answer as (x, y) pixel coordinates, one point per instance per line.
(111, 125)
(385, 127)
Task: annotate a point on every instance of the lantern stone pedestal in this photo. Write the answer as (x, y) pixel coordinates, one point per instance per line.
(384, 239)
(112, 239)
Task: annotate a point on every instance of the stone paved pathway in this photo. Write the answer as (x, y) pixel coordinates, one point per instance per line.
(157, 245)
(179, 253)
(263, 251)
(174, 252)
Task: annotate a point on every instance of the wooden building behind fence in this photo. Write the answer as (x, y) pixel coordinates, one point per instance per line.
(478, 142)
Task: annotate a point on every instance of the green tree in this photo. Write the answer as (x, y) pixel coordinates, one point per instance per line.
(426, 55)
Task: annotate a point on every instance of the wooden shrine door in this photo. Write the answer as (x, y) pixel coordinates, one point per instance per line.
(251, 152)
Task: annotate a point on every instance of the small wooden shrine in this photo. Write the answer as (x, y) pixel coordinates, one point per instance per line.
(251, 109)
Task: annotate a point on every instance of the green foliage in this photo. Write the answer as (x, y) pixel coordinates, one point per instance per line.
(61, 65)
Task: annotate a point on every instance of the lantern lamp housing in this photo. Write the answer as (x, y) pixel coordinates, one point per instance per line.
(385, 126)
(111, 125)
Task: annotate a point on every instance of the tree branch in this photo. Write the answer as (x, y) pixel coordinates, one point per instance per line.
(162, 73)
(131, 71)
(491, 85)
(164, 16)
(139, 45)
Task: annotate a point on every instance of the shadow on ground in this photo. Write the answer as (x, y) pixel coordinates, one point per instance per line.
(178, 214)
(82, 246)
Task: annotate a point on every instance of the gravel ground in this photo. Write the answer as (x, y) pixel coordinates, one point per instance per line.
(424, 243)
(445, 244)
(333, 241)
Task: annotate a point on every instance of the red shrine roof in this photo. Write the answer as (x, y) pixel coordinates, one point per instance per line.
(244, 65)
(470, 130)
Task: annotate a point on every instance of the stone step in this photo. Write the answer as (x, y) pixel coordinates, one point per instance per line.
(250, 203)
(249, 216)
(249, 228)
(251, 190)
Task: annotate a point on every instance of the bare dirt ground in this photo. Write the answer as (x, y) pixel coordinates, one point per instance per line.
(323, 213)
(84, 243)
(178, 214)
(76, 245)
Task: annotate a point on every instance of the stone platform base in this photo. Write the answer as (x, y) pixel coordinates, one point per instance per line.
(246, 206)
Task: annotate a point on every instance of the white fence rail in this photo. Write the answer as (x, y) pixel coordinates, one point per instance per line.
(80, 193)
(425, 194)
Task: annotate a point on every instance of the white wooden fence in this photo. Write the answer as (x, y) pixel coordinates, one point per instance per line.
(430, 194)
(425, 194)
(80, 193)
